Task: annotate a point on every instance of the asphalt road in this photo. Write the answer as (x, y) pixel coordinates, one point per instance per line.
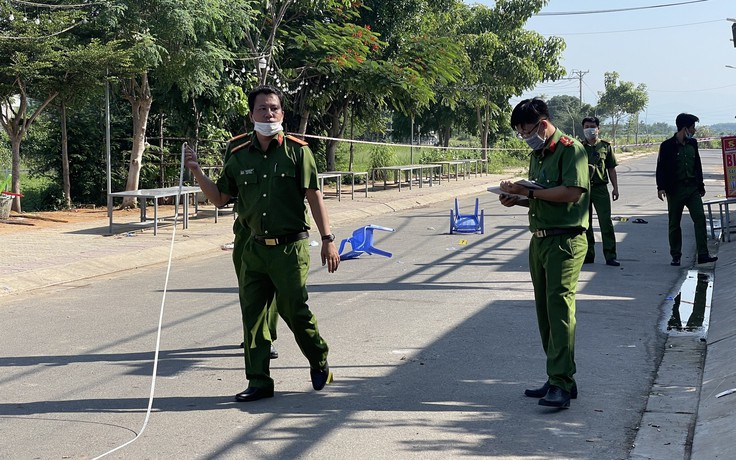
(431, 350)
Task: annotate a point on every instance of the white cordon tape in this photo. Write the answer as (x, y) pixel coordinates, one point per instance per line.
(439, 147)
(649, 144)
(161, 314)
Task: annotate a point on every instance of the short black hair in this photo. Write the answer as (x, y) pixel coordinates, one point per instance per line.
(591, 120)
(685, 120)
(529, 111)
(258, 90)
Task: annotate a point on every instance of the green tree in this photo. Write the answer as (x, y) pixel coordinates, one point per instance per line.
(567, 113)
(621, 98)
(175, 43)
(82, 74)
(31, 50)
(506, 60)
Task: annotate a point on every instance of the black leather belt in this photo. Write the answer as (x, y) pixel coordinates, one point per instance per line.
(558, 231)
(283, 239)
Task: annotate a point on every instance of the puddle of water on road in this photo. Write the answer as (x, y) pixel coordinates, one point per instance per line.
(690, 311)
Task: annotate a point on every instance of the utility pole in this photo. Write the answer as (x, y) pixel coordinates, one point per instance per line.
(579, 76)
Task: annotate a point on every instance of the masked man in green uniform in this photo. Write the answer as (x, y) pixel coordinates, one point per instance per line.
(241, 236)
(603, 164)
(680, 179)
(558, 218)
(272, 175)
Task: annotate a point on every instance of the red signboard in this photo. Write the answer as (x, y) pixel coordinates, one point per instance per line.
(728, 147)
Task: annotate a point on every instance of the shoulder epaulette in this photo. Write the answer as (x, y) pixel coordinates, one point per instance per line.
(235, 149)
(566, 141)
(239, 136)
(297, 140)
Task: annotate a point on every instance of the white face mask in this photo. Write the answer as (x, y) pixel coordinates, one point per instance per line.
(590, 133)
(268, 129)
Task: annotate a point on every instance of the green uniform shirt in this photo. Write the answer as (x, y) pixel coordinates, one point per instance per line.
(562, 161)
(270, 185)
(601, 158)
(685, 169)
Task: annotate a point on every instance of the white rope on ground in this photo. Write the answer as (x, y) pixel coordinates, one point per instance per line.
(161, 314)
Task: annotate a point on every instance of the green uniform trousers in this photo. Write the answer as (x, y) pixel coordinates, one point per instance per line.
(281, 270)
(600, 199)
(555, 263)
(241, 237)
(686, 196)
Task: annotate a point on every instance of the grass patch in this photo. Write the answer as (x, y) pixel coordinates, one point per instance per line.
(40, 193)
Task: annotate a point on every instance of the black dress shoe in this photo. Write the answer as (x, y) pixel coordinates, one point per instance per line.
(254, 394)
(541, 392)
(556, 397)
(589, 260)
(320, 377)
(675, 262)
(613, 263)
(706, 259)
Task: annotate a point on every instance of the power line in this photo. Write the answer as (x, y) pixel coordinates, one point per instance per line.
(619, 10)
(638, 30)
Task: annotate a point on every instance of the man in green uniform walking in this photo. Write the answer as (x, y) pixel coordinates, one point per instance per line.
(242, 234)
(558, 218)
(603, 164)
(271, 175)
(680, 179)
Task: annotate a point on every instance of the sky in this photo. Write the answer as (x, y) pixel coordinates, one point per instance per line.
(679, 52)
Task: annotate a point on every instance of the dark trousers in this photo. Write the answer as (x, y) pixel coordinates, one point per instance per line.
(686, 196)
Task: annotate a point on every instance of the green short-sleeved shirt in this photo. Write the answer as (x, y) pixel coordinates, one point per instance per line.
(685, 163)
(562, 161)
(270, 185)
(601, 157)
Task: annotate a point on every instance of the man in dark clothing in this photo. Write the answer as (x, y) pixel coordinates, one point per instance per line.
(680, 179)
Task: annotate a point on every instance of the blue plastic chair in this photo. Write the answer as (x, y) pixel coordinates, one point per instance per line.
(466, 223)
(361, 242)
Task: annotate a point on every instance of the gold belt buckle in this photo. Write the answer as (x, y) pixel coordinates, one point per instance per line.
(271, 241)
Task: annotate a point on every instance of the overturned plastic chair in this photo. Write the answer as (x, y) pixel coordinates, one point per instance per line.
(361, 242)
(466, 223)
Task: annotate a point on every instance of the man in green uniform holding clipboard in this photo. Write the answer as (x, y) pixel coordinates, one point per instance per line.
(558, 218)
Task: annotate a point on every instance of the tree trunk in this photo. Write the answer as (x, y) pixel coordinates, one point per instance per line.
(65, 159)
(332, 145)
(140, 98)
(303, 120)
(15, 170)
(16, 124)
(352, 153)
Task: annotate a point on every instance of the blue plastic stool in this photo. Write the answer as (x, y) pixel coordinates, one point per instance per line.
(361, 242)
(466, 223)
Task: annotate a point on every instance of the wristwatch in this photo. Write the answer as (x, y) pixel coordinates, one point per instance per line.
(531, 194)
(330, 237)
